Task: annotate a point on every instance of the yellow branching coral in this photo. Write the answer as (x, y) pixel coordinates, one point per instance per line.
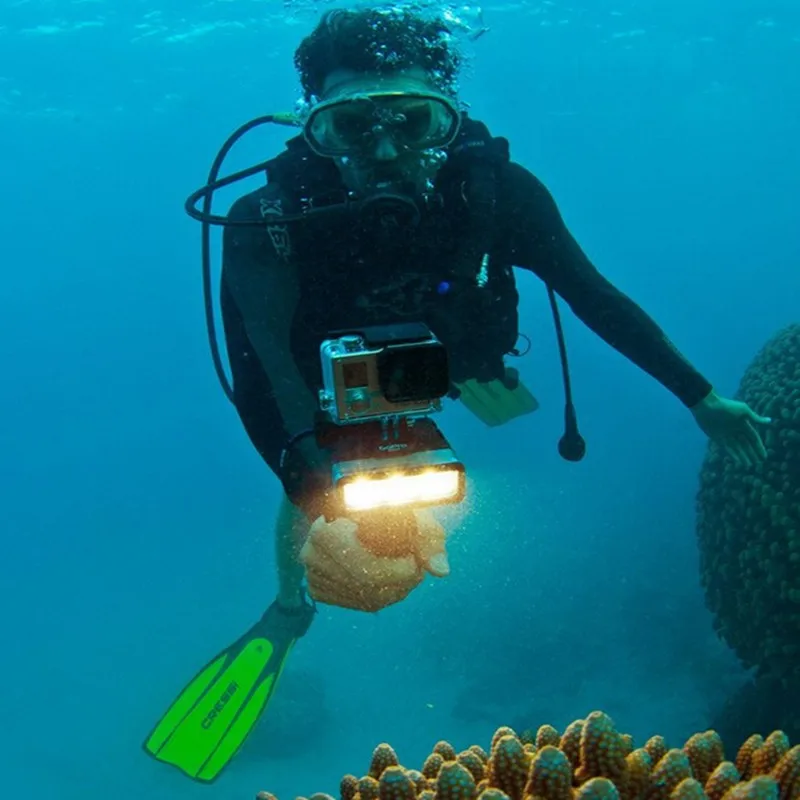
(589, 760)
(744, 757)
(455, 782)
(508, 766)
(688, 789)
(775, 747)
(502, 731)
(348, 788)
(603, 750)
(445, 750)
(433, 763)
(722, 780)
(638, 770)
(787, 774)
(668, 773)
(383, 757)
(474, 763)
(480, 752)
(627, 743)
(550, 775)
(705, 753)
(656, 747)
(395, 784)
(547, 735)
(418, 779)
(571, 742)
(597, 789)
(763, 787)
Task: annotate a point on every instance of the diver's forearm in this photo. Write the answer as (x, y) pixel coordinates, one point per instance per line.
(291, 531)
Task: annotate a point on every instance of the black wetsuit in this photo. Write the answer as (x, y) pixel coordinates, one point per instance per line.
(342, 276)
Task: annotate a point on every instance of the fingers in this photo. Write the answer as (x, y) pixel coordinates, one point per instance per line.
(431, 547)
(341, 572)
(758, 418)
(746, 447)
(756, 442)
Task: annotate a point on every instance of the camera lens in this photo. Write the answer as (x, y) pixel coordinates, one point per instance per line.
(413, 374)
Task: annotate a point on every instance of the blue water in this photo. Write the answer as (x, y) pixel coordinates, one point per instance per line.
(136, 517)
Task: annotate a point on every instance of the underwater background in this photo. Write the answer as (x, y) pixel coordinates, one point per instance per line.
(136, 516)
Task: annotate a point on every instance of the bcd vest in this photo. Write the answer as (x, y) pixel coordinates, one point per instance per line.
(469, 297)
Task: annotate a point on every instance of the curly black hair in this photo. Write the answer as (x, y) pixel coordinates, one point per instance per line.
(377, 40)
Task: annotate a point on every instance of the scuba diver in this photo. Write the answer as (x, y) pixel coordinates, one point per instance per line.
(391, 206)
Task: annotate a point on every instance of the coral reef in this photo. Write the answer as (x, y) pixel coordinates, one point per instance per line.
(748, 532)
(590, 760)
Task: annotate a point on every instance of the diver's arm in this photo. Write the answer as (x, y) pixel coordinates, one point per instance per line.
(258, 299)
(265, 292)
(541, 243)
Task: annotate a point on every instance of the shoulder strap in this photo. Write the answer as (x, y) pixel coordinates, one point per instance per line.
(478, 155)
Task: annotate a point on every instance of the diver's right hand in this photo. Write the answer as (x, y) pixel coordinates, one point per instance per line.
(371, 562)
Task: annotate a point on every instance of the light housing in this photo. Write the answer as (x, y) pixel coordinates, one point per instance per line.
(427, 478)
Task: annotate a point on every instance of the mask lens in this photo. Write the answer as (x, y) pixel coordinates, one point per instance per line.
(353, 126)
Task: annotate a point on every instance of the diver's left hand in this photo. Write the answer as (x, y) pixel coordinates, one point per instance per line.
(372, 561)
(731, 424)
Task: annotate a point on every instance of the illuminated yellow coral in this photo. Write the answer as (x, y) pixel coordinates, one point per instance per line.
(508, 766)
(603, 750)
(383, 756)
(704, 751)
(418, 779)
(597, 789)
(688, 789)
(550, 775)
(656, 746)
(627, 743)
(638, 768)
(787, 773)
(480, 752)
(433, 763)
(547, 735)
(673, 768)
(348, 787)
(745, 755)
(455, 783)
(775, 747)
(762, 787)
(571, 742)
(721, 780)
(473, 762)
(395, 784)
(554, 767)
(493, 794)
(368, 788)
(445, 750)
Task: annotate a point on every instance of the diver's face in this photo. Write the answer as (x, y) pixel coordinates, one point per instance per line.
(390, 141)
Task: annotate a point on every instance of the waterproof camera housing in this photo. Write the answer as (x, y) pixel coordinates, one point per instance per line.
(380, 386)
(383, 371)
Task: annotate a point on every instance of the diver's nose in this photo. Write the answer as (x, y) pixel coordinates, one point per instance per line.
(385, 149)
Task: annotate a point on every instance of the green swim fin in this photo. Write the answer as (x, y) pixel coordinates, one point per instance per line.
(206, 725)
(499, 401)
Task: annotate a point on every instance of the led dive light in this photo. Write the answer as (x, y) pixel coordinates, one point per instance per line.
(380, 386)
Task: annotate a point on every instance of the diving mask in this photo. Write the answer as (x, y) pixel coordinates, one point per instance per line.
(355, 124)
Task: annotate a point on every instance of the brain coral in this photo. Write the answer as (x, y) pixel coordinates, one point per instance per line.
(748, 523)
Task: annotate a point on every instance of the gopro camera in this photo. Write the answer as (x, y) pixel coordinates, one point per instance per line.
(383, 371)
(380, 386)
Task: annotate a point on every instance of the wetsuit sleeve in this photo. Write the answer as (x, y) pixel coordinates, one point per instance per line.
(259, 295)
(540, 242)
